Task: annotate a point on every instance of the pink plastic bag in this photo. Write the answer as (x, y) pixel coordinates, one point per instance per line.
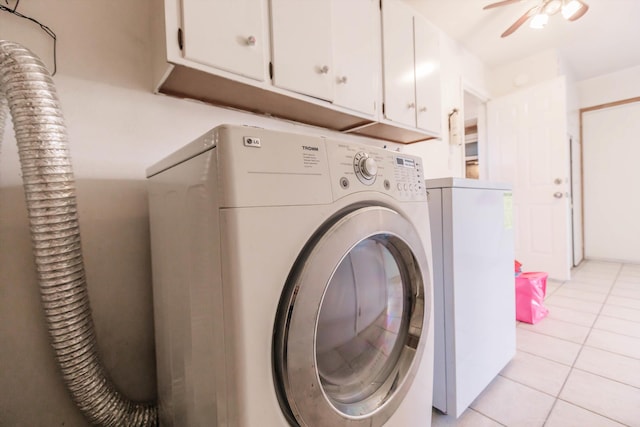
(530, 291)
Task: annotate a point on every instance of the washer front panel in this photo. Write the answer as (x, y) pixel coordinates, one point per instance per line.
(348, 341)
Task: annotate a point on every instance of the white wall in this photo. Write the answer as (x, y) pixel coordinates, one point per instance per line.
(527, 72)
(117, 128)
(624, 84)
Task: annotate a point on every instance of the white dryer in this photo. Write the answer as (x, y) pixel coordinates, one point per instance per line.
(292, 283)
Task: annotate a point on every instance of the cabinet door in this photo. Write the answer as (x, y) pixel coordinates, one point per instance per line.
(398, 65)
(356, 53)
(226, 34)
(427, 63)
(301, 45)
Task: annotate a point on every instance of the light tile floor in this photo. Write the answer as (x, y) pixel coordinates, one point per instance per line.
(578, 367)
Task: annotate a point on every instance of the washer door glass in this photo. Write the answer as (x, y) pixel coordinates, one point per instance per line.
(362, 323)
(347, 341)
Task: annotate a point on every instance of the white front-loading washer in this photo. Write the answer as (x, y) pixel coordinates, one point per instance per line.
(291, 283)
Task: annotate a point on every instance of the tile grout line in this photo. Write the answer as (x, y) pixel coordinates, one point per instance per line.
(606, 378)
(619, 318)
(588, 410)
(486, 416)
(583, 343)
(580, 351)
(559, 338)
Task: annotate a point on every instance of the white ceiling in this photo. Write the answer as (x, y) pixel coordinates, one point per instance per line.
(604, 40)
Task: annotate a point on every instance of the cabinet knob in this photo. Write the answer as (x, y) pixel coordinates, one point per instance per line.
(251, 41)
(342, 79)
(423, 109)
(324, 69)
(411, 105)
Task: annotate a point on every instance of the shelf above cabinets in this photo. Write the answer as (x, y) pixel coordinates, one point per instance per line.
(274, 58)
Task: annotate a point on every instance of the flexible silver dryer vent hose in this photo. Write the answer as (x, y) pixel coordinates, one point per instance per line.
(51, 203)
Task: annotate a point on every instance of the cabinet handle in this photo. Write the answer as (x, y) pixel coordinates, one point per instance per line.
(411, 106)
(423, 109)
(251, 41)
(342, 79)
(324, 69)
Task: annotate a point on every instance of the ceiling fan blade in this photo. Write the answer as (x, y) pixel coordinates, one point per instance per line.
(528, 14)
(580, 12)
(500, 3)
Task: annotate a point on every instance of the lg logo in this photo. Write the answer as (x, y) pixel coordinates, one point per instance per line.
(251, 141)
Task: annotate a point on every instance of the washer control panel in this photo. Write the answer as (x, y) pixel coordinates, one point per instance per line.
(357, 167)
(408, 174)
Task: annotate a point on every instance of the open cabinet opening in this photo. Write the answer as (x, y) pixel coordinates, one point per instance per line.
(473, 124)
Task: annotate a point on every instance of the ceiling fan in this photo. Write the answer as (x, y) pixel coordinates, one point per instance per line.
(571, 10)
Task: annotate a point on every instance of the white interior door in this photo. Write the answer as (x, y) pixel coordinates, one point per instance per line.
(611, 180)
(527, 134)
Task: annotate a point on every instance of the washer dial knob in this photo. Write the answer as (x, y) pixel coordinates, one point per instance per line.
(365, 167)
(369, 167)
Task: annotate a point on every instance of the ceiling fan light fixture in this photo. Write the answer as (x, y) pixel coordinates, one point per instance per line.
(570, 8)
(539, 21)
(552, 7)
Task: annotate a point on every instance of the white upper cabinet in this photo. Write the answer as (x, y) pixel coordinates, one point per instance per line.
(302, 48)
(318, 62)
(411, 69)
(399, 70)
(226, 34)
(428, 78)
(328, 49)
(356, 54)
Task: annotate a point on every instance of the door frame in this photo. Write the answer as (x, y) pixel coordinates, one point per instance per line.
(573, 190)
(483, 98)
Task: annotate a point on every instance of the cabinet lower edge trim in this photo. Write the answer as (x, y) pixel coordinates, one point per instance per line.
(392, 133)
(195, 84)
(185, 82)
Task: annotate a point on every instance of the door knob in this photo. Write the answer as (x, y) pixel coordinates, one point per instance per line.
(324, 69)
(557, 181)
(557, 195)
(251, 41)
